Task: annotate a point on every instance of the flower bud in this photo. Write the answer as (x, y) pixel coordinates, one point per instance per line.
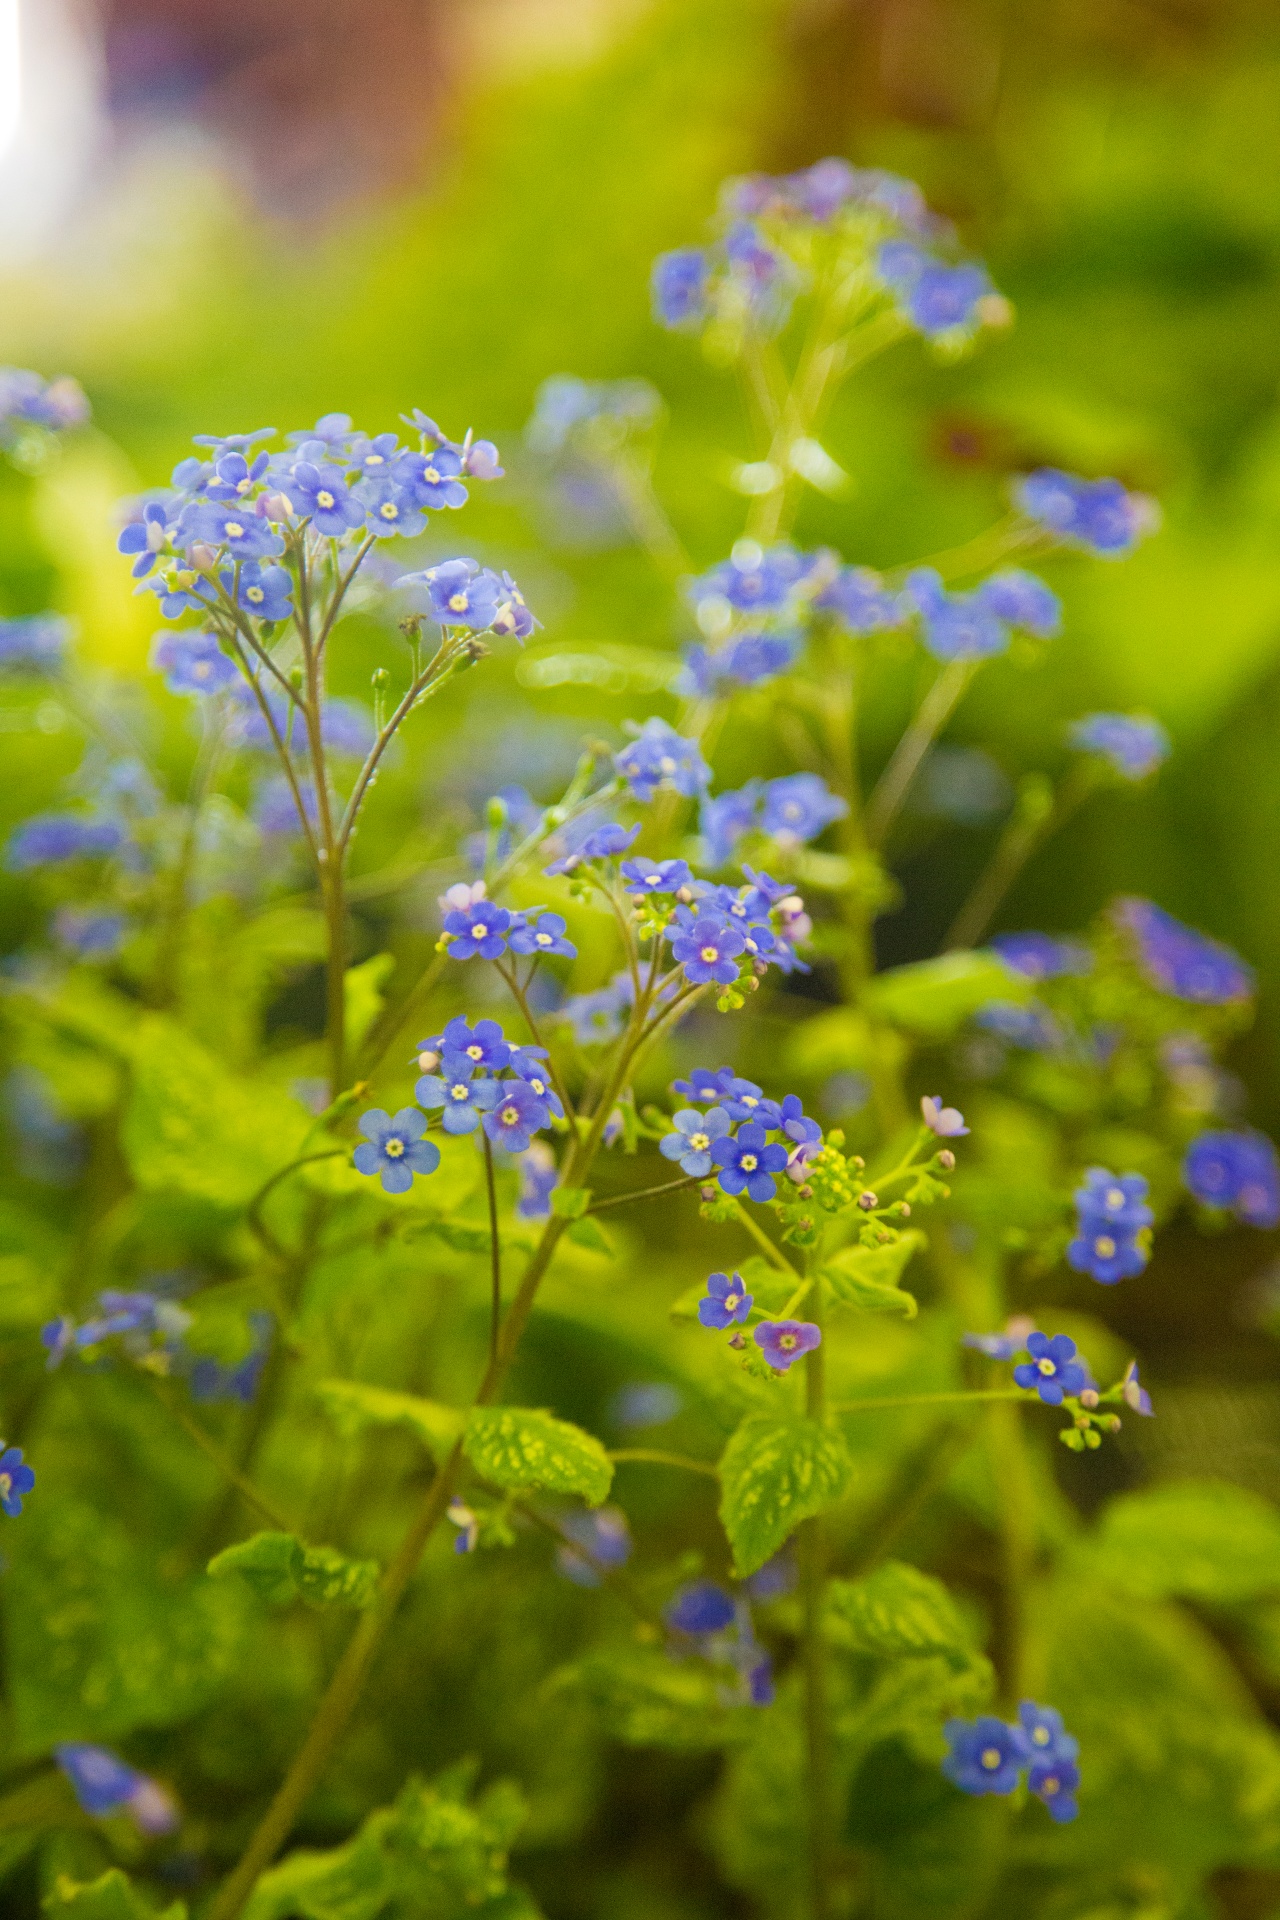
(806, 1193)
(1089, 1397)
(275, 506)
(946, 1159)
(868, 1201)
(706, 1193)
(202, 556)
(428, 1061)
(902, 1209)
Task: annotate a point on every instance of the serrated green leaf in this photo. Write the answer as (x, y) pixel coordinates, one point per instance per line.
(327, 1578)
(1201, 1540)
(280, 1569)
(897, 1610)
(353, 1406)
(935, 997)
(113, 1897)
(776, 1471)
(868, 1277)
(265, 1562)
(520, 1447)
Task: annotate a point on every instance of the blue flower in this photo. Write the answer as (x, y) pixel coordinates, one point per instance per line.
(49, 839)
(996, 1346)
(543, 935)
(748, 1163)
(146, 537)
(1039, 956)
(482, 930)
(985, 1755)
(783, 1342)
(320, 492)
(946, 1122)
(597, 1016)
(265, 592)
(482, 460)
(192, 662)
(1134, 1394)
(1055, 1782)
(705, 1083)
(211, 1382)
(1053, 1369)
(1238, 1170)
(753, 580)
(679, 287)
(29, 400)
(660, 757)
(394, 1148)
(1098, 514)
(1132, 744)
(726, 817)
(601, 1539)
(16, 1480)
(518, 1115)
(1115, 1200)
(275, 810)
(1108, 1254)
(691, 1143)
(766, 276)
(744, 1100)
(795, 1123)
(957, 626)
(655, 876)
(645, 1403)
(799, 806)
(538, 1176)
(483, 1045)
(89, 933)
(701, 1607)
(374, 455)
(103, 1783)
(708, 951)
(727, 1302)
(460, 593)
(462, 1097)
(1023, 600)
(513, 616)
(527, 1064)
(602, 843)
(861, 602)
(1182, 961)
(1045, 1734)
(234, 476)
(749, 661)
(245, 534)
(390, 507)
(35, 641)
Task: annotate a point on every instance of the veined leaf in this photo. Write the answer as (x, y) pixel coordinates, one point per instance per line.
(899, 1610)
(868, 1277)
(520, 1447)
(776, 1471)
(280, 1568)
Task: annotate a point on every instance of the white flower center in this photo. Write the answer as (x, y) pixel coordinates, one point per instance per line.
(699, 1142)
(509, 1116)
(389, 510)
(432, 474)
(539, 1086)
(373, 459)
(460, 1091)
(666, 764)
(1115, 1197)
(474, 1052)
(479, 931)
(787, 1341)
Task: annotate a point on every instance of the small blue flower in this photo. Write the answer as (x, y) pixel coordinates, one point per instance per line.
(753, 579)
(660, 757)
(58, 1337)
(391, 507)
(1238, 1170)
(766, 276)
(708, 951)
(1023, 600)
(192, 662)
(1109, 1255)
(727, 1302)
(460, 593)
(1039, 956)
(90, 934)
(602, 843)
(601, 1539)
(463, 1098)
(701, 1607)
(394, 1148)
(996, 1346)
(1053, 1369)
(726, 817)
(513, 616)
(482, 930)
(516, 1117)
(748, 1163)
(103, 1783)
(957, 626)
(1132, 744)
(744, 1100)
(986, 1755)
(483, 1045)
(320, 492)
(1098, 514)
(679, 287)
(275, 811)
(538, 1176)
(36, 642)
(799, 806)
(1181, 961)
(50, 839)
(795, 1123)
(655, 876)
(246, 535)
(1045, 1734)
(146, 537)
(1114, 1200)
(544, 935)
(373, 455)
(1055, 1782)
(526, 1062)
(946, 300)
(234, 476)
(16, 1480)
(705, 1083)
(691, 1143)
(783, 1342)
(861, 602)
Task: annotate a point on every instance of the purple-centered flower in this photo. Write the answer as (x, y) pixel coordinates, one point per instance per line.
(544, 935)
(320, 492)
(16, 1480)
(192, 662)
(462, 1097)
(946, 1122)
(701, 1607)
(1134, 1394)
(705, 1083)
(799, 806)
(482, 930)
(1039, 956)
(691, 1143)
(1238, 1170)
(49, 839)
(1098, 514)
(517, 1115)
(860, 601)
(678, 285)
(1023, 600)
(1181, 961)
(432, 480)
(782, 1342)
(245, 534)
(957, 626)
(394, 1148)
(103, 1783)
(655, 876)
(748, 1162)
(660, 757)
(727, 1302)
(146, 537)
(984, 1755)
(483, 1045)
(1055, 1783)
(1132, 744)
(708, 951)
(1053, 1369)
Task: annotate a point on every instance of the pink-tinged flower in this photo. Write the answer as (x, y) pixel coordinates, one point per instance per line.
(946, 1122)
(783, 1341)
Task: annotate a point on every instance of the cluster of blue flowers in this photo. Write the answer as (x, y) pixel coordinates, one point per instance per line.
(1098, 514)
(1132, 744)
(727, 1303)
(1237, 1171)
(1181, 961)
(1112, 1217)
(30, 402)
(988, 1755)
(1042, 956)
(150, 1328)
(485, 931)
(722, 1631)
(790, 811)
(105, 1784)
(980, 624)
(54, 839)
(732, 1138)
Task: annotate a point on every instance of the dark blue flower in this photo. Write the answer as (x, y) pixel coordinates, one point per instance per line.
(679, 287)
(957, 626)
(1039, 956)
(16, 1481)
(192, 662)
(655, 876)
(1132, 744)
(543, 935)
(517, 1116)
(49, 839)
(691, 1143)
(1114, 1200)
(1045, 1734)
(783, 1342)
(1053, 1369)
(1022, 600)
(245, 534)
(320, 492)
(1182, 961)
(748, 661)
(795, 1123)
(1108, 1254)
(483, 1045)
(701, 1607)
(798, 807)
(462, 1097)
(482, 930)
(394, 1148)
(1098, 514)
(861, 602)
(1055, 1782)
(1238, 1170)
(660, 757)
(744, 1100)
(708, 951)
(705, 1083)
(727, 1302)
(748, 1163)
(985, 1755)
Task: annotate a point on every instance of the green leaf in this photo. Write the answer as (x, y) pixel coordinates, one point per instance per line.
(776, 1471)
(280, 1569)
(113, 1897)
(363, 996)
(518, 1447)
(645, 1699)
(1201, 1540)
(937, 1852)
(353, 1407)
(897, 1610)
(588, 1233)
(935, 997)
(868, 1277)
(570, 1202)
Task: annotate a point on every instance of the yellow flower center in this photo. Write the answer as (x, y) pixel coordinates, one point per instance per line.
(653, 879)
(474, 1052)
(786, 1341)
(990, 1758)
(479, 931)
(394, 1148)
(324, 498)
(1046, 1367)
(432, 474)
(666, 764)
(748, 1099)
(509, 1116)
(710, 953)
(539, 1087)
(543, 939)
(389, 510)
(243, 486)
(1115, 1197)
(733, 1301)
(1104, 1246)
(1050, 1786)
(748, 1163)
(458, 602)
(233, 530)
(373, 459)
(255, 594)
(699, 1142)
(460, 1091)
(1041, 1737)
(6, 1482)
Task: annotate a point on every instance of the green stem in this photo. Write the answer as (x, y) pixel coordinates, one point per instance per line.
(223, 1461)
(1025, 834)
(661, 1458)
(644, 1193)
(253, 1212)
(934, 711)
(814, 1659)
(1007, 1448)
(495, 1250)
(521, 999)
(928, 1399)
(767, 1246)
